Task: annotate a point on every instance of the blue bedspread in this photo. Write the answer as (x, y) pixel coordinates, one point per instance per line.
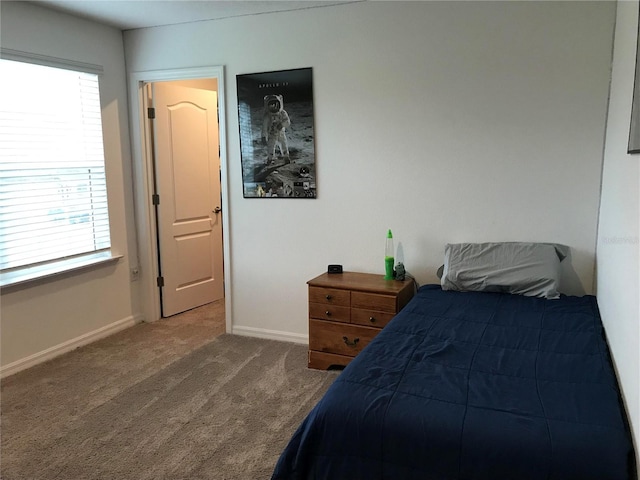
(472, 386)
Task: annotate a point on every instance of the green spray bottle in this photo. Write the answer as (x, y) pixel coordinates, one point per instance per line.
(388, 257)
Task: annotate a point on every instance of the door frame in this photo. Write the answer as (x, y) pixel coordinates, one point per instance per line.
(142, 164)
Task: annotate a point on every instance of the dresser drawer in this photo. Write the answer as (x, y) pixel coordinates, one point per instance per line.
(330, 312)
(373, 301)
(329, 296)
(370, 318)
(339, 338)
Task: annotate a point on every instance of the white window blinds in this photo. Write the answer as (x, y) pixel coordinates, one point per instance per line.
(53, 197)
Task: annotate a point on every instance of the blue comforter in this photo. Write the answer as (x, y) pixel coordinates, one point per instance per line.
(472, 386)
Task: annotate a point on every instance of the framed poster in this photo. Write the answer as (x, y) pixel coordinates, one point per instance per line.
(275, 115)
(634, 130)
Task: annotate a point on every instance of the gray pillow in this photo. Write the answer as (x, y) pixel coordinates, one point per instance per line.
(531, 269)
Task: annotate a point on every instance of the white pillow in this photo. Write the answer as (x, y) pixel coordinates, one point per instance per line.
(531, 269)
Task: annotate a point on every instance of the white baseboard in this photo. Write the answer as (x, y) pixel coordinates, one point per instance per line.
(67, 346)
(270, 334)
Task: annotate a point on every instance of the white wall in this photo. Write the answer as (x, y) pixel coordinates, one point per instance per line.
(618, 267)
(444, 121)
(41, 320)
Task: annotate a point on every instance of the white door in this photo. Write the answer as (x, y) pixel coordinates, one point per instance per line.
(188, 185)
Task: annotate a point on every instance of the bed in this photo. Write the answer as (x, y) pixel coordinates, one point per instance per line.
(481, 384)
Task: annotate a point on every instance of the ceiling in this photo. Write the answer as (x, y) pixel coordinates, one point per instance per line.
(131, 14)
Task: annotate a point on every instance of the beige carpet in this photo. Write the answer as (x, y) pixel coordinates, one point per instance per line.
(168, 400)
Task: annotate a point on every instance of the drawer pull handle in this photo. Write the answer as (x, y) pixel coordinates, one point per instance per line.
(327, 313)
(328, 297)
(372, 319)
(351, 344)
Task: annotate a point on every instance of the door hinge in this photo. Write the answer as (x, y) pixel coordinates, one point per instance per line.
(155, 199)
(160, 281)
(151, 112)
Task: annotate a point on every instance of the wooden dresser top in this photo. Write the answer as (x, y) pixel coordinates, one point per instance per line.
(366, 282)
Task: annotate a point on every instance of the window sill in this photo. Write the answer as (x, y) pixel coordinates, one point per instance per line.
(28, 275)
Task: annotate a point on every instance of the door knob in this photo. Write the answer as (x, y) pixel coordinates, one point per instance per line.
(217, 210)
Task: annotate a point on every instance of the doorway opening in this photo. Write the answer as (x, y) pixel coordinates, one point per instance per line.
(180, 189)
(182, 130)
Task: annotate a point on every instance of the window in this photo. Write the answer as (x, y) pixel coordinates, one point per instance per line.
(53, 197)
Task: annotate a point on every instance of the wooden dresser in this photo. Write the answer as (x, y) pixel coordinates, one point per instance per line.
(346, 310)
